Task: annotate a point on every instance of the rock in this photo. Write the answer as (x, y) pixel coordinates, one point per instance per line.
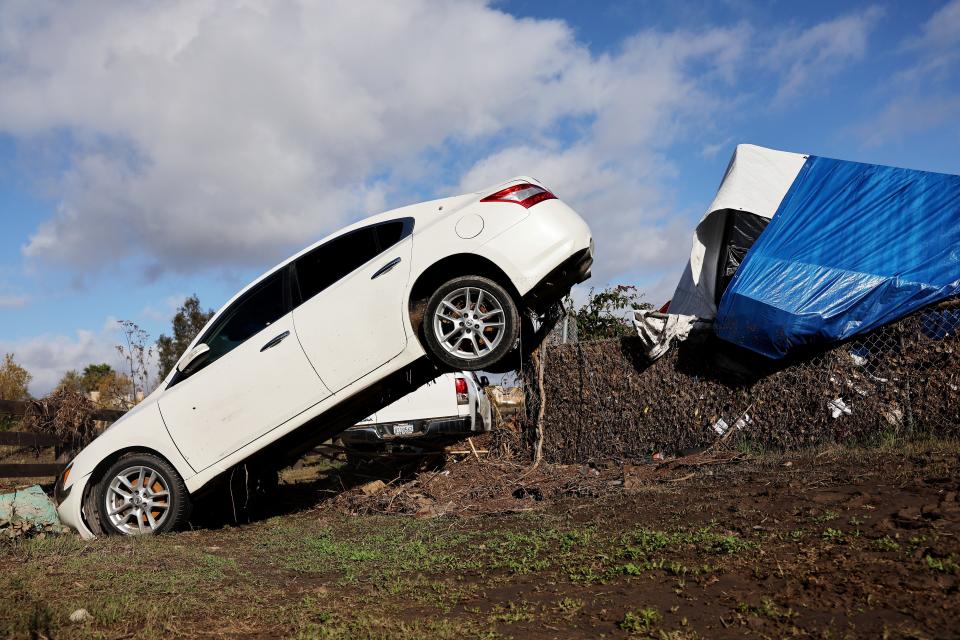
(31, 505)
(80, 615)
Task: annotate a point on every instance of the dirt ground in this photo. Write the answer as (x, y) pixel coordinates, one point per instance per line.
(831, 543)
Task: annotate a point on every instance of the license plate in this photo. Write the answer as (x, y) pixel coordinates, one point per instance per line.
(402, 429)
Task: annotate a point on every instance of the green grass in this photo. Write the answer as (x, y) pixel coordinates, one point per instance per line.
(639, 620)
(942, 565)
(325, 575)
(886, 543)
(835, 536)
(766, 609)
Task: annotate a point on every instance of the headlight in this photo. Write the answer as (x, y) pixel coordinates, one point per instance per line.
(65, 475)
(60, 490)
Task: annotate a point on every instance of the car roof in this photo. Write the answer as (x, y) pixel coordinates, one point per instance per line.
(412, 210)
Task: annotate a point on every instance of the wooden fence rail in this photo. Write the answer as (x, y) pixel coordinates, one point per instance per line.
(38, 440)
(21, 407)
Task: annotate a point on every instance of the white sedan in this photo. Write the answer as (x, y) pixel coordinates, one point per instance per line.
(325, 338)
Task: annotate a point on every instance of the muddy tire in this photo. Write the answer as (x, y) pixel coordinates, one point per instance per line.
(141, 494)
(470, 323)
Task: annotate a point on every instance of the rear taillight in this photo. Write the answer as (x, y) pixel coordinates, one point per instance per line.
(461, 387)
(525, 194)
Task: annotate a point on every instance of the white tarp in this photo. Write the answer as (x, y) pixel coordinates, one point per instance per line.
(658, 331)
(756, 181)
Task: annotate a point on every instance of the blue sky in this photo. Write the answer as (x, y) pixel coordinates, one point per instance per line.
(152, 151)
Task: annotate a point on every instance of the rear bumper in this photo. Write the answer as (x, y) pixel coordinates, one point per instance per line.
(558, 282)
(538, 248)
(385, 432)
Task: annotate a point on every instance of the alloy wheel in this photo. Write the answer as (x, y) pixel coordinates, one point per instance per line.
(469, 323)
(137, 500)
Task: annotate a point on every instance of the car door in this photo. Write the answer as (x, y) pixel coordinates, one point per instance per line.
(254, 378)
(350, 316)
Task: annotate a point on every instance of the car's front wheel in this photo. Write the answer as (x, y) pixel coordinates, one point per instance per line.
(470, 323)
(141, 494)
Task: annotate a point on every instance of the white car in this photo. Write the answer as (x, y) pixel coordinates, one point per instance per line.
(448, 408)
(327, 337)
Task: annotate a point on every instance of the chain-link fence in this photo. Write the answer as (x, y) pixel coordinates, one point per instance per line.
(604, 400)
(565, 331)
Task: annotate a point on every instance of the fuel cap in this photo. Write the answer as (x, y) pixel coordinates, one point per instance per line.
(469, 226)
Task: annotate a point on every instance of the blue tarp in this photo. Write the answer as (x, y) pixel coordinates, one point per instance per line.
(851, 247)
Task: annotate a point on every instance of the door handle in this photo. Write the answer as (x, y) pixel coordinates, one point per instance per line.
(275, 341)
(382, 270)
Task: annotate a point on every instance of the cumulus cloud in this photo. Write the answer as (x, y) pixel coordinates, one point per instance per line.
(47, 357)
(220, 133)
(645, 98)
(211, 132)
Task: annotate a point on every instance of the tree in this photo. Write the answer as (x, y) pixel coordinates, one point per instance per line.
(14, 380)
(72, 382)
(93, 374)
(114, 391)
(87, 381)
(187, 323)
(607, 313)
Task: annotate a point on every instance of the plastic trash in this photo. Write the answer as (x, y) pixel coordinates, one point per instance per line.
(838, 407)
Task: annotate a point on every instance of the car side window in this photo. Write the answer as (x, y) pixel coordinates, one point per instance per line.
(260, 308)
(328, 263)
(390, 233)
(256, 310)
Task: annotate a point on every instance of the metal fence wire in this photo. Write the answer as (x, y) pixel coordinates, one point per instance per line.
(565, 331)
(604, 400)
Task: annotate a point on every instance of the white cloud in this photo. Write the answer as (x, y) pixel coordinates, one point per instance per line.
(910, 114)
(922, 96)
(710, 151)
(220, 132)
(48, 357)
(805, 57)
(166, 311)
(942, 29)
(212, 133)
(645, 98)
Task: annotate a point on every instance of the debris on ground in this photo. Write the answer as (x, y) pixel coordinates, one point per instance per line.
(28, 512)
(66, 415)
(372, 488)
(80, 615)
(475, 487)
(498, 486)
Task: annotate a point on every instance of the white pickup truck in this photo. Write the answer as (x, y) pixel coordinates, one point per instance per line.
(447, 408)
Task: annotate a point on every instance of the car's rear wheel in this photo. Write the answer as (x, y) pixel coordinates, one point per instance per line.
(141, 494)
(470, 323)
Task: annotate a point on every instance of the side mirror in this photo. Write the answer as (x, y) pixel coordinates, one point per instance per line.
(484, 381)
(193, 356)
